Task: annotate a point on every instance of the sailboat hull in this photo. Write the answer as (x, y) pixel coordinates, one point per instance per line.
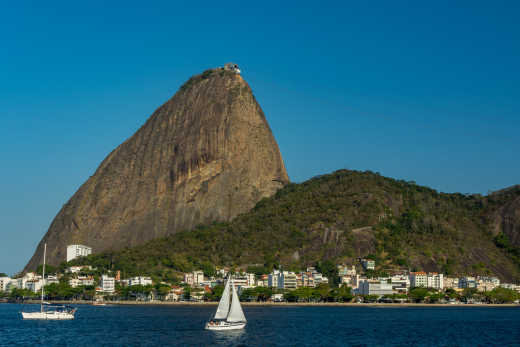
(225, 326)
(48, 315)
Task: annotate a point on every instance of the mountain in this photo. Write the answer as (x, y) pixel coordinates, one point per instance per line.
(340, 217)
(206, 155)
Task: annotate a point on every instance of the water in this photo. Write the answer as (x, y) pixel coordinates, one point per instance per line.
(317, 326)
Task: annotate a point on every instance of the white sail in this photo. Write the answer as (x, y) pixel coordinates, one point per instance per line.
(223, 305)
(235, 313)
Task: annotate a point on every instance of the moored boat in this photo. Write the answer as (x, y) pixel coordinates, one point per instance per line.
(48, 311)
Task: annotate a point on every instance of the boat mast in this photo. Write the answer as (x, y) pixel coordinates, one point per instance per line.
(43, 275)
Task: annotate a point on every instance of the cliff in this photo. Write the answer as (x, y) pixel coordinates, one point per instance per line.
(206, 155)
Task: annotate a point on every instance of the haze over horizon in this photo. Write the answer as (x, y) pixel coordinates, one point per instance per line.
(428, 93)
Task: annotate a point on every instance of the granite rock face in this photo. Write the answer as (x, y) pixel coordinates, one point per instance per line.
(505, 217)
(206, 155)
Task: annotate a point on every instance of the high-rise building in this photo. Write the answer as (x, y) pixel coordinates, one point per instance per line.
(74, 251)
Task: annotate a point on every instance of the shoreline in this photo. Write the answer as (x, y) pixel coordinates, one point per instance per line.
(270, 304)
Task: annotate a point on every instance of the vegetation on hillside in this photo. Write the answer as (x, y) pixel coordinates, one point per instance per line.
(331, 219)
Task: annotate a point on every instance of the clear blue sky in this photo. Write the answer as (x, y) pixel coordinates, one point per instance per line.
(427, 92)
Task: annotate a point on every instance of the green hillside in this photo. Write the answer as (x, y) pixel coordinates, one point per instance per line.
(340, 217)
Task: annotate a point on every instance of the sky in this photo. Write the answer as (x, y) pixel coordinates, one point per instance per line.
(425, 92)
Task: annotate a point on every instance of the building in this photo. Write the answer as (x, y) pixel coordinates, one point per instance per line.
(140, 281)
(272, 280)
(418, 279)
(435, 281)
(34, 285)
(4, 283)
(345, 270)
(81, 281)
(77, 269)
(232, 67)
(287, 280)
(305, 279)
(486, 284)
(107, 284)
(467, 282)
(375, 287)
(368, 264)
(451, 282)
(400, 283)
(74, 251)
(263, 281)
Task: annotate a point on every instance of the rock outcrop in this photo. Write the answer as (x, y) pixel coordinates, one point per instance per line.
(206, 155)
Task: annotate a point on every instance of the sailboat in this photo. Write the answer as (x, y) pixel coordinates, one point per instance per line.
(48, 311)
(228, 316)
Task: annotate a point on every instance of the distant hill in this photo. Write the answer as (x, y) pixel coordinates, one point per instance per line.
(206, 155)
(340, 217)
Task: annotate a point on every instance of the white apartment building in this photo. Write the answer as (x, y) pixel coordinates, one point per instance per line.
(375, 287)
(194, 278)
(435, 281)
(251, 279)
(139, 281)
(400, 283)
(77, 269)
(74, 251)
(81, 281)
(4, 283)
(107, 284)
(34, 285)
(418, 279)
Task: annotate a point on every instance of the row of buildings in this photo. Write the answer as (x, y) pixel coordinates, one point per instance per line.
(106, 284)
(403, 282)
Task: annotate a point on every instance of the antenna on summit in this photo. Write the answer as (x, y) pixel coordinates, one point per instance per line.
(232, 67)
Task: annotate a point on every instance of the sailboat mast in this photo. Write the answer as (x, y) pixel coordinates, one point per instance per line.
(43, 275)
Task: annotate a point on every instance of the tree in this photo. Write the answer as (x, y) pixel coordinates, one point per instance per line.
(329, 270)
(3, 274)
(418, 294)
(501, 295)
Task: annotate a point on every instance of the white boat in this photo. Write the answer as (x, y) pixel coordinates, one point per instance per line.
(48, 311)
(229, 315)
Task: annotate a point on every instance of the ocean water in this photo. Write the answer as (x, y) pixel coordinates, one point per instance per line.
(268, 326)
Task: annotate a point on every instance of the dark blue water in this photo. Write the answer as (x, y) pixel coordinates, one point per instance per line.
(317, 326)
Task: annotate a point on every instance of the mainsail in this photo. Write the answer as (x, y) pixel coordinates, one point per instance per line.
(235, 313)
(223, 305)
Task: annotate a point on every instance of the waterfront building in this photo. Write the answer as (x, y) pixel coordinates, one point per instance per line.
(418, 279)
(435, 280)
(451, 282)
(375, 287)
(400, 283)
(467, 282)
(263, 281)
(305, 279)
(34, 285)
(4, 283)
(251, 279)
(74, 251)
(287, 280)
(272, 280)
(107, 284)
